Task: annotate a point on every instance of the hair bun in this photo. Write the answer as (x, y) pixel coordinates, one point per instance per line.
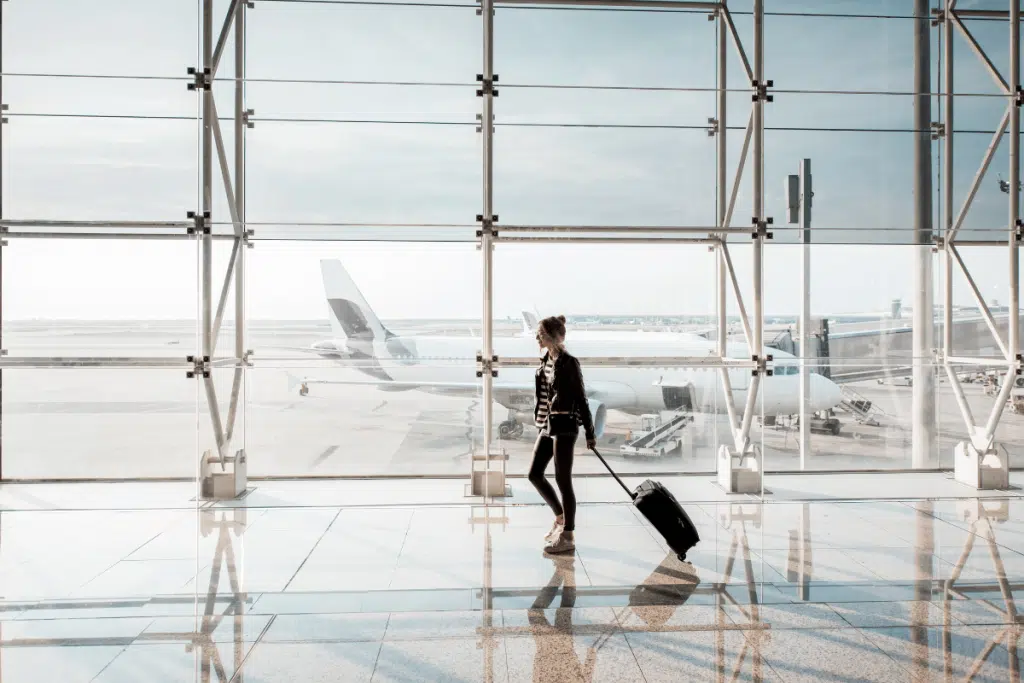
(561, 319)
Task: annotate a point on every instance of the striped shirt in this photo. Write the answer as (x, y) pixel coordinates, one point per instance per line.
(544, 399)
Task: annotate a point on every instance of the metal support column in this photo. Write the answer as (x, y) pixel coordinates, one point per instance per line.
(486, 246)
(979, 462)
(206, 241)
(757, 339)
(739, 465)
(758, 189)
(1, 245)
(240, 229)
(1013, 339)
(805, 310)
(490, 482)
(722, 131)
(923, 404)
(216, 481)
(947, 180)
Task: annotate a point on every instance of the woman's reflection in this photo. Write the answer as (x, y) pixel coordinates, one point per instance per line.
(556, 659)
(670, 585)
(654, 601)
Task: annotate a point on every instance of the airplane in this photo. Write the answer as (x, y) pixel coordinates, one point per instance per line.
(445, 365)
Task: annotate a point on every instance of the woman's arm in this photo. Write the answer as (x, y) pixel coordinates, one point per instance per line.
(580, 391)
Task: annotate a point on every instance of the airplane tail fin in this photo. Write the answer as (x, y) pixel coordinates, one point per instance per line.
(529, 323)
(351, 317)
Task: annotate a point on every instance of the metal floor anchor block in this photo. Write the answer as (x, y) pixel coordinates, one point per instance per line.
(739, 472)
(985, 471)
(223, 478)
(489, 481)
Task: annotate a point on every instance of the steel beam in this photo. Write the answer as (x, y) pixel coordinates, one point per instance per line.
(947, 191)
(1, 249)
(222, 159)
(961, 401)
(107, 236)
(737, 42)
(982, 14)
(95, 362)
(666, 362)
(744, 319)
(1013, 341)
(113, 225)
(721, 289)
(974, 360)
(225, 31)
(206, 244)
(225, 288)
(989, 66)
(805, 310)
(240, 127)
(986, 161)
(624, 229)
(605, 240)
(980, 300)
(757, 161)
(666, 4)
(739, 171)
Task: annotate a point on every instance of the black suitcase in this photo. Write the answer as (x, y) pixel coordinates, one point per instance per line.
(661, 509)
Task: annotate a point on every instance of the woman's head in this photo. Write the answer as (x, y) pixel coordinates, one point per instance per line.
(551, 332)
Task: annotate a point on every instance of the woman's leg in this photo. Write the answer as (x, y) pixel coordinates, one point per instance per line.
(543, 451)
(563, 448)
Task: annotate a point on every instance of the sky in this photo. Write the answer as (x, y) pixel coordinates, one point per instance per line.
(304, 166)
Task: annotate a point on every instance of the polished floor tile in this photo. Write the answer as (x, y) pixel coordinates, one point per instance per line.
(567, 658)
(337, 628)
(53, 663)
(923, 654)
(441, 661)
(825, 655)
(302, 583)
(271, 662)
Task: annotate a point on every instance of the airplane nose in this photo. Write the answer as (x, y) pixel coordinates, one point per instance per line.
(825, 393)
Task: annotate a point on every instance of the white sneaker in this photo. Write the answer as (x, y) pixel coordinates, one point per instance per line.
(556, 531)
(560, 545)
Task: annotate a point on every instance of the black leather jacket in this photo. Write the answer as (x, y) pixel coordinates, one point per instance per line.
(568, 392)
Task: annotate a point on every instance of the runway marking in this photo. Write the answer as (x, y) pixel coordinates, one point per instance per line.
(328, 452)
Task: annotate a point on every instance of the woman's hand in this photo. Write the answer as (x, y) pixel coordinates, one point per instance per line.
(591, 443)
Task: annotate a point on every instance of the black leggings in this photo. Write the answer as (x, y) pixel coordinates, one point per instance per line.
(561, 448)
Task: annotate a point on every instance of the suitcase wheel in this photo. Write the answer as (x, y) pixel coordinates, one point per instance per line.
(682, 557)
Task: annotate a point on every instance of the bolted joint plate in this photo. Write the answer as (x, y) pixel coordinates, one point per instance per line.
(201, 221)
(486, 365)
(487, 225)
(487, 85)
(201, 78)
(761, 91)
(200, 367)
(761, 228)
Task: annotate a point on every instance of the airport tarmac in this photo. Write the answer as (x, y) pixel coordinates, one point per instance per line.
(103, 422)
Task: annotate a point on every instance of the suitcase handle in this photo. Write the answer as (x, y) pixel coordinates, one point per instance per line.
(625, 488)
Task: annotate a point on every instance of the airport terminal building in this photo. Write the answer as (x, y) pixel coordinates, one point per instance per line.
(278, 283)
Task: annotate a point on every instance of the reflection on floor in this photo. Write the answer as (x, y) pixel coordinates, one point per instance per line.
(776, 591)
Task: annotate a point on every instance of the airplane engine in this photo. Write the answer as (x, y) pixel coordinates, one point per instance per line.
(600, 414)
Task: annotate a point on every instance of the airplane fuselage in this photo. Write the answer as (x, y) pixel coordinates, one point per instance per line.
(635, 390)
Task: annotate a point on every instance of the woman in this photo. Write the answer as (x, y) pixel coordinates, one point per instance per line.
(561, 408)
